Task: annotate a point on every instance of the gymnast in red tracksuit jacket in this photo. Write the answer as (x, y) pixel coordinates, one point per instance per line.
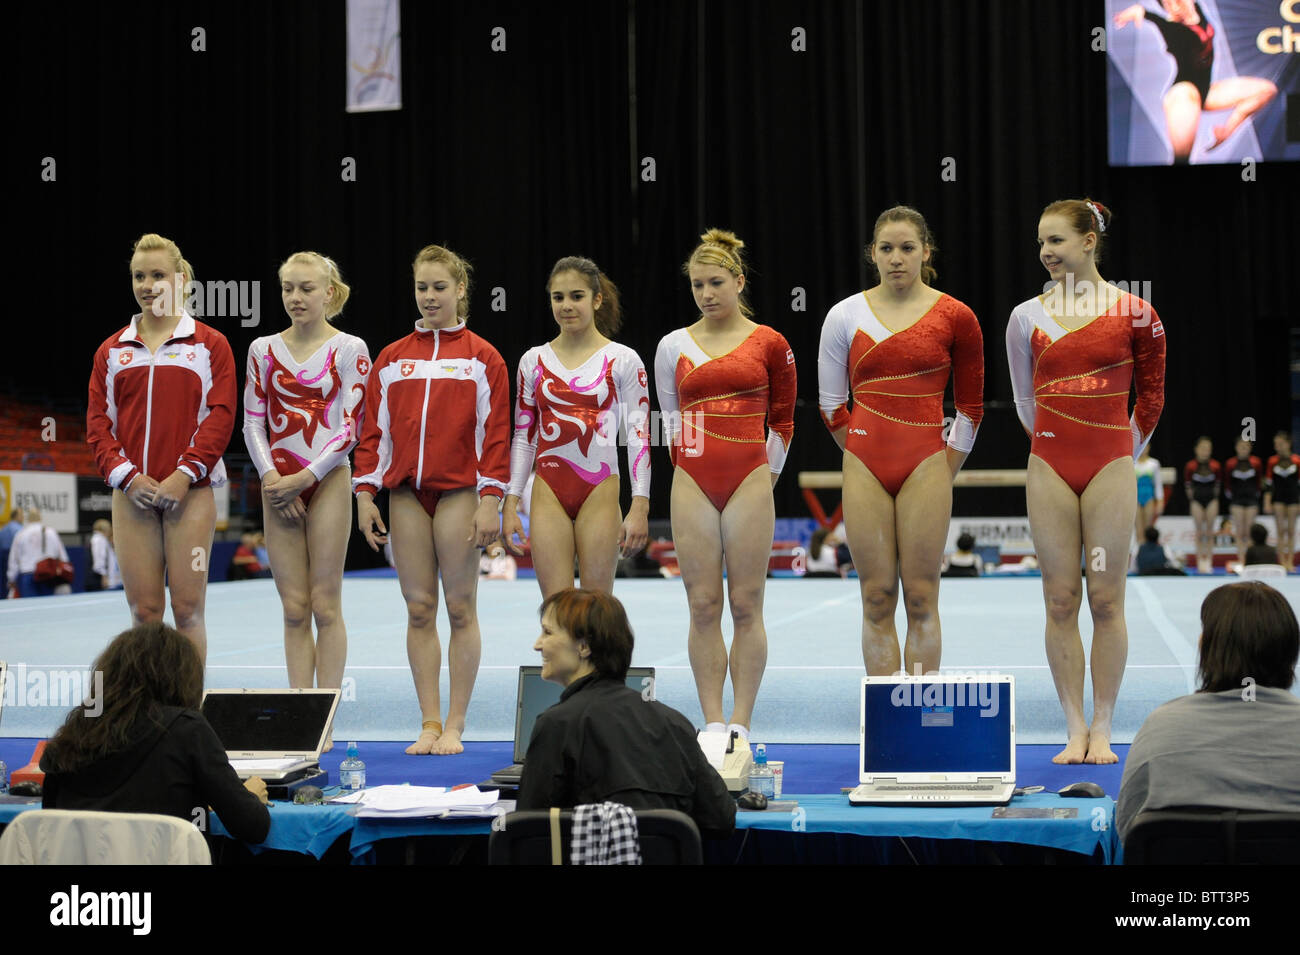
(159, 416)
(437, 436)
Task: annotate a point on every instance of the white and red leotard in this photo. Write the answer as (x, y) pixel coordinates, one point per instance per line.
(715, 408)
(568, 420)
(1072, 387)
(898, 381)
(160, 412)
(304, 415)
(437, 417)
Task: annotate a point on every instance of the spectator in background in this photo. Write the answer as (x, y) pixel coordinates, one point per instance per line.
(245, 565)
(104, 573)
(1259, 552)
(1153, 559)
(965, 562)
(7, 535)
(1235, 743)
(496, 564)
(32, 544)
(822, 558)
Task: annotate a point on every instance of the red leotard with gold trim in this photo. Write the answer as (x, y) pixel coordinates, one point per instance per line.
(719, 411)
(898, 383)
(1072, 387)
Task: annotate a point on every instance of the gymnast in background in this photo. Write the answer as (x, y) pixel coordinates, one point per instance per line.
(1203, 482)
(1282, 496)
(1189, 38)
(1150, 493)
(726, 391)
(1074, 353)
(896, 345)
(574, 394)
(304, 400)
(1245, 482)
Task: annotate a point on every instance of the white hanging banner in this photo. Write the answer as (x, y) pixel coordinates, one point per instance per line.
(374, 55)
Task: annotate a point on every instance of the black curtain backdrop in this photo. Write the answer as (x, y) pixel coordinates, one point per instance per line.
(516, 158)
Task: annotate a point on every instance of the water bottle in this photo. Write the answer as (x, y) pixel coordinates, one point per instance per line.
(352, 771)
(761, 778)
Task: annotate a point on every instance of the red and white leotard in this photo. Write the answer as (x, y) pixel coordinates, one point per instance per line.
(1072, 387)
(437, 415)
(160, 412)
(898, 383)
(569, 421)
(715, 409)
(312, 410)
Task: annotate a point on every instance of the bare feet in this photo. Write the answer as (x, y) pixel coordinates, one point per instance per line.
(448, 743)
(1099, 750)
(1074, 751)
(1221, 133)
(430, 732)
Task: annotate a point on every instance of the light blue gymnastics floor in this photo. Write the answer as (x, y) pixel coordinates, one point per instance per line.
(809, 693)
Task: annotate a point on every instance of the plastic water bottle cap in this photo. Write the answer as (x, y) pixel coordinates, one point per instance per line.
(352, 750)
(760, 753)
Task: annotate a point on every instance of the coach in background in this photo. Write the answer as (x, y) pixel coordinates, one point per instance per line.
(603, 742)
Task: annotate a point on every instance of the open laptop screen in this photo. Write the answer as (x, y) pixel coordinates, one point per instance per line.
(537, 695)
(283, 721)
(936, 727)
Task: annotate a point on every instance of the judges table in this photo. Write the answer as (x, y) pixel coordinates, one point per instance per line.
(1083, 826)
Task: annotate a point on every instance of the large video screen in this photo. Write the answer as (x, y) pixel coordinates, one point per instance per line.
(1203, 82)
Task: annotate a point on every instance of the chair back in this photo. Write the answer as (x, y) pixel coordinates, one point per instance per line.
(83, 837)
(1213, 837)
(668, 837)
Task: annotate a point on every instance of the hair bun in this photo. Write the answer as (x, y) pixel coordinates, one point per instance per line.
(723, 237)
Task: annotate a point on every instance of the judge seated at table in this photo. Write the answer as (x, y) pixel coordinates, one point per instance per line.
(140, 744)
(1235, 743)
(604, 742)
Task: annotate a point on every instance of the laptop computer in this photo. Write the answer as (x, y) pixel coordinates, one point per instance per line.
(936, 740)
(274, 734)
(535, 695)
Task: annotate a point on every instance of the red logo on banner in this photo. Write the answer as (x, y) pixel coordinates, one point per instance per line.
(125, 358)
(408, 368)
(363, 366)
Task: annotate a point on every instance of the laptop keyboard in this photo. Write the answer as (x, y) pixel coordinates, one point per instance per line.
(935, 787)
